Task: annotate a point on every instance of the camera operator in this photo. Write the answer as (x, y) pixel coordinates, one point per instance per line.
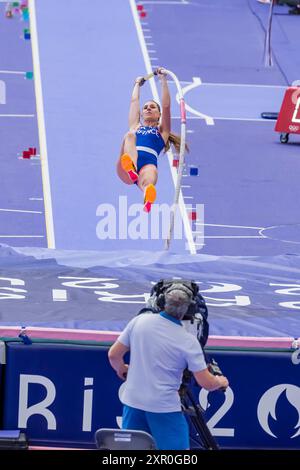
(160, 350)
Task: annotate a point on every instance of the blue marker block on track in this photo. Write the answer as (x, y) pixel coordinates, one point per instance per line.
(25, 15)
(26, 33)
(193, 171)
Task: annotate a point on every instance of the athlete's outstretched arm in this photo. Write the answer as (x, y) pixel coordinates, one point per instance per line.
(165, 126)
(134, 110)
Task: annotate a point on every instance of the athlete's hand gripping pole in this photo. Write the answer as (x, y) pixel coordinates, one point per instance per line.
(147, 77)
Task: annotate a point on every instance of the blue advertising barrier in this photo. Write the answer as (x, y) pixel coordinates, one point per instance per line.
(59, 394)
(2, 362)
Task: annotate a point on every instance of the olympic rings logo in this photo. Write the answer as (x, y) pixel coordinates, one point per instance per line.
(294, 128)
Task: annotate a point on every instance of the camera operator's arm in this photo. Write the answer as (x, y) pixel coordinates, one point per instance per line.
(115, 356)
(209, 381)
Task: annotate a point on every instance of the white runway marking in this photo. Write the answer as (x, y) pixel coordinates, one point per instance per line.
(246, 227)
(12, 72)
(41, 126)
(272, 227)
(243, 119)
(196, 82)
(197, 115)
(231, 236)
(228, 119)
(20, 210)
(234, 84)
(59, 295)
(244, 85)
(165, 2)
(231, 226)
(18, 115)
(22, 236)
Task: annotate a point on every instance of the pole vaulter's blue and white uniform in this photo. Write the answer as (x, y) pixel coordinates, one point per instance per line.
(149, 144)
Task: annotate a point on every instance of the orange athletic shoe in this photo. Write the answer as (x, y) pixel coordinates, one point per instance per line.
(150, 196)
(128, 166)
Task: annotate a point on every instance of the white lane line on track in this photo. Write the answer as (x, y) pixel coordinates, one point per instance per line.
(232, 236)
(165, 2)
(20, 210)
(196, 83)
(234, 84)
(228, 119)
(231, 226)
(217, 118)
(12, 72)
(36, 199)
(197, 115)
(41, 126)
(186, 223)
(17, 115)
(22, 236)
(245, 85)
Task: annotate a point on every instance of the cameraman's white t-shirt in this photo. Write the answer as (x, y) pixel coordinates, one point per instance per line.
(160, 349)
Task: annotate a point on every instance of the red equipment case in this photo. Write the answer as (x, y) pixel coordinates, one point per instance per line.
(288, 121)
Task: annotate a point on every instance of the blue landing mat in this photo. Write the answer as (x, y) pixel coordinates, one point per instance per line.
(246, 296)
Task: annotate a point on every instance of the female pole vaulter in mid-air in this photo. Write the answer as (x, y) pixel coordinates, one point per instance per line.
(145, 140)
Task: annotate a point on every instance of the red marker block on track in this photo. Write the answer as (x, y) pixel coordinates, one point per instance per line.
(140, 8)
(175, 163)
(193, 215)
(32, 151)
(26, 154)
(143, 14)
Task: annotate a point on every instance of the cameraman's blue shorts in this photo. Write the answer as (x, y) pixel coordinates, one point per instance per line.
(169, 430)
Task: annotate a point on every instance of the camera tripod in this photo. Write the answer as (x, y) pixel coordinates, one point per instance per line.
(194, 412)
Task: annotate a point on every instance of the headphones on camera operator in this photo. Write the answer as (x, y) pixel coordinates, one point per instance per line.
(196, 312)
